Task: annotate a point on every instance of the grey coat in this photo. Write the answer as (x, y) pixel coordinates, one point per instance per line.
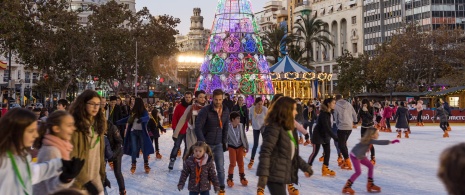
(442, 114)
(232, 137)
(53, 184)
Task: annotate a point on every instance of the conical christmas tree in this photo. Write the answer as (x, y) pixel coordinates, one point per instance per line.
(234, 56)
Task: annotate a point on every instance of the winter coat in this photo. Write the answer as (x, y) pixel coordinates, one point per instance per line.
(388, 111)
(243, 112)
(366, 117)
(207, 175)
(208, 127)
(309, 117)
(300, 114)
(148, 147)
(322, 132)
(115, 140)
(9, 183)
(115, 114)
(447, 108)
(154, 127)
(232, 136)
(402, 117)
(360, 149)
(178, 112)
(442, 114)
(228, 103)
(108, 151)
(344, 115)
(276, 161)
(52, 185)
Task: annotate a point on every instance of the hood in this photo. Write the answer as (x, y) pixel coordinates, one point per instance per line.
(323, 107)
(343, 104)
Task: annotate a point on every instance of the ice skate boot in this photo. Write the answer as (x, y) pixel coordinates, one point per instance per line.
(133, 168)
(373, 160)
(250, 164)
(321, 159)
(325, 171)
(406, 134)
(348, 188)
(354, 126)
(371, 187)
(122, 192)
(445, 134)
(307, 142)
(301, 140)
(346, 164)
(244, 181)
(179, 152)
(147, 168)
(230, 180)
(221, 192)
(389, 130)
(422, 124)
(339, 160)
(292, 190)
(260, 191)
(110, 163)
(449, 129)
(158, 155)
(399, 134)
(171, 165)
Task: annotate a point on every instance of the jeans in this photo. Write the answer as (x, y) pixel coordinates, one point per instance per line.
(335, 142)
(137, 142)
(309, 124)
(256, 137)
(219, 162)
(388, 123)
(117, 171)
(276, 188)
(443, 126)
(343, 136)
(372, 148)
(177, 145)
(316, 149)
(201, 193)
(155, 142)
(356, 162)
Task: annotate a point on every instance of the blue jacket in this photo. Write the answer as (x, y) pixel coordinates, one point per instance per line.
(148, 147)
(207, 126)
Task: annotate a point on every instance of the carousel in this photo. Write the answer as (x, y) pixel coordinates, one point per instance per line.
(294, 80)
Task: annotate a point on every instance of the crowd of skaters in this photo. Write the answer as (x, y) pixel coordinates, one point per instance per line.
(73, 144)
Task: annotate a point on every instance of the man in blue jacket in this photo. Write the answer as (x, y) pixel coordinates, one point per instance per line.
(211, 127)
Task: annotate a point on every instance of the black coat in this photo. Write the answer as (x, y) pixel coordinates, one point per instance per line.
(228, 103)
(208, 128)
(322, 132)
(402, 116)
(275, 159)
(116, 142)
(244, 113)
(116, 115)
(309, 116)
(366, 117)
(155, 128)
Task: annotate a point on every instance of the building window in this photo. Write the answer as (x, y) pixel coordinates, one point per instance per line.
(27, 77)
(5, 75)
(454, 101)
(354, 48)
(354, 19)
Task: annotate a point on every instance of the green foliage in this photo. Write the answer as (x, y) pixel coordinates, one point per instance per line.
(351, 77)
(272, 41)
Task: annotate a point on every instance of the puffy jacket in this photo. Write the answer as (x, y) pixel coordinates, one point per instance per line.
(322, 132)
(116, 142)
(345, 115)
(366, 117)
(388, 111)
(208, 127)
(442, 114)
(275, 159)
(207, 174)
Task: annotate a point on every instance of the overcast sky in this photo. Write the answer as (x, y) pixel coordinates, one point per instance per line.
(183, 10)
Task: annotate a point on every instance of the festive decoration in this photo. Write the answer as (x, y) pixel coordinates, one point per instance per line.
(234, 57)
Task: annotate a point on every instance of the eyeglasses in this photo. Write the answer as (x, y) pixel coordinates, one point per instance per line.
(94, 105)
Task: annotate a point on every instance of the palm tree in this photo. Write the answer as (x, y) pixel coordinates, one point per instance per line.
(296, 52)
(310, 31)
(274, 40)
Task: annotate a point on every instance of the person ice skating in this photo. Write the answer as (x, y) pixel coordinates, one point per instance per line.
(179, 126)
(449, 111)
(366, 116)
(88, 141)
(310, 117)
(387, 114)
(237, 147)
(211, 126)
(137, 137)
(419, 108)
(257, 115)
(18, 128)
(443, 115)
(322, 135)
(358, 157)
(154, 127)
(402, 118)
(116, 144)
(345, 116)
(241, 107)
(199, 167)
(192, 112)
(451, 169)
(279, 158)
(300, 118)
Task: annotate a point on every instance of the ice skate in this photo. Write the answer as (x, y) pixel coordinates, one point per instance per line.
(179, 153)
(389, 130)
(348, 188)
(301, 140)
(399, 134)
(133, 168)
(110, 163)
(321, 159)
(250, 164)
(339, 160)
(158, 155)
(292, 190)
(422, 124)
(147, 168)
(171, 165)
(222, 192)
(406, 134)
(230, 180)
(449, 129)
(122, 192)
(371, 187)
(244, 181)
(307, 142)
(346, 164)
(260, 191)
(373, 160)
(445, 134)
(325, 171)
(354, 126)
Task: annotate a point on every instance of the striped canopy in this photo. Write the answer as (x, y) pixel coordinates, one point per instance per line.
(287, 64)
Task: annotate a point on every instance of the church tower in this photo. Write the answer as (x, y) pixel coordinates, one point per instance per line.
(197, 20)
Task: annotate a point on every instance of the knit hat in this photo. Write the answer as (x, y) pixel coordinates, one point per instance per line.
(113, 98)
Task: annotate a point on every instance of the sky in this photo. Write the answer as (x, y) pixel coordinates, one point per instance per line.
(183, 9)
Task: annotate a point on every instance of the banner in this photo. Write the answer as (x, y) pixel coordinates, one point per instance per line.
(427, 116)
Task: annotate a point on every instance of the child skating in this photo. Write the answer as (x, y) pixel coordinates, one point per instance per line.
(200, 168)
(358, 156)
(443, 115)
(237, 147)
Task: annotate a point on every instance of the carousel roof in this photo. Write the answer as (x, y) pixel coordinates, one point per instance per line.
(287, 64)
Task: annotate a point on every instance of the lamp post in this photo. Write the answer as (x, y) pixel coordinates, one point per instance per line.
(390, 84)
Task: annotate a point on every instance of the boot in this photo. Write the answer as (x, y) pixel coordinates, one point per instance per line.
(449, 129)
(292, 190)
(122, 192)
(133, 168)
(373, 160)
(325, 171)
(339, 160)
(307, 142)
(389, 129)
(371, 187)
(409, 132)
(260, 191)
(354, 126)
(221, 192)
(230, 180)
(171, 165)
(110, 163)
(422, 124)
(399, 134)
(179, 152)
(348, 188)
(445, 134)
(250, 164)
(146, 168)
(418, 124)
(244, 181)
(322, 158)
(406, 134)
(346, 165)
(158, 155)
(301, 140)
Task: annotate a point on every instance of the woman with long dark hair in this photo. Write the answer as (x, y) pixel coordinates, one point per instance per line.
(137, 136)
(366, 115)
(402, 118)
(257, 115)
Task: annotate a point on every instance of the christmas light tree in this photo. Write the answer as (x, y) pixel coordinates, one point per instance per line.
(234, 57)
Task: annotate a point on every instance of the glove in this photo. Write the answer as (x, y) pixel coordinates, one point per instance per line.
(71, 168)
(174, 139)
(107, 183)
(180, 187)
(395, 141)
(90, 187)
(225, 148)
(307, 136)
(262, 180)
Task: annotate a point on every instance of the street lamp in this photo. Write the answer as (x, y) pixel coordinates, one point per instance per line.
(390, 84)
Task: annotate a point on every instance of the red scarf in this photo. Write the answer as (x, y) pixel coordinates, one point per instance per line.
(65, 147)
(198, 167)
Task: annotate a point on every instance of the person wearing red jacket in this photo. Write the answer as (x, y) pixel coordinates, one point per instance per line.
(387, 114)
(179, 125)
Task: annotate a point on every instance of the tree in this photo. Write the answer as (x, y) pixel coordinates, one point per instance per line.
(351, 77)
(310, 31)
(274, 40)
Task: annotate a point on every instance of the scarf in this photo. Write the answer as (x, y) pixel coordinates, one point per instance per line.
(198, 166)
(196, 107)
(65, 147)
